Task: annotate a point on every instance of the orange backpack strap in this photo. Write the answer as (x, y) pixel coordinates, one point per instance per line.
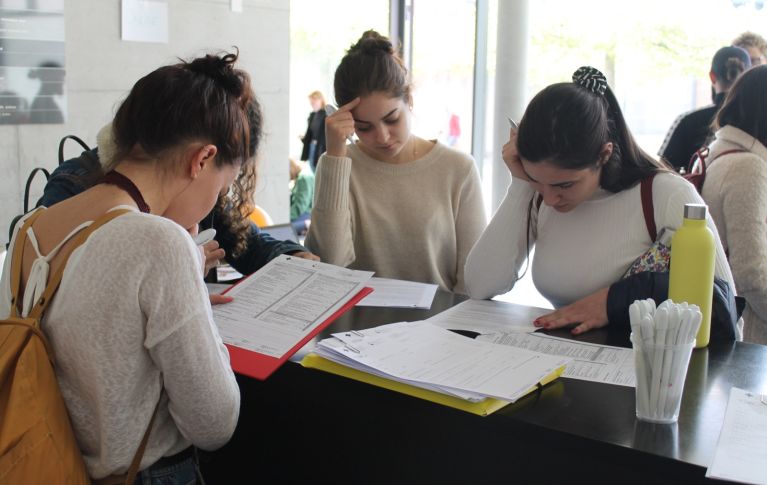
(18, 252)
(55, 279)
(134, 466)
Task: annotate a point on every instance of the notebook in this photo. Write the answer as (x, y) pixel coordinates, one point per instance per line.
(281, 232)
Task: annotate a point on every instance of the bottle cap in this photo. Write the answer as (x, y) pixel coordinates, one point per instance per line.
(695, 211)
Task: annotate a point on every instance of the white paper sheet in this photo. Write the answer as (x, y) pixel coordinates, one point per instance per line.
(590, 362)
(485, 316)
(216, 288)
(281, 303)
(421, 352)
(145, 20)
(399, 294)
(741, 453)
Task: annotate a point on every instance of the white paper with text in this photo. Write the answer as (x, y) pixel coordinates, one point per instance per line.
(284, 301)
(590, 362)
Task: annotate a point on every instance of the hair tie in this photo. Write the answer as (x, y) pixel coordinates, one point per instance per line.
(591, 79)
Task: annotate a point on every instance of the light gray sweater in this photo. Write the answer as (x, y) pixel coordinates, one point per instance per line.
(414, 221)
(130, 322)
(736, 193)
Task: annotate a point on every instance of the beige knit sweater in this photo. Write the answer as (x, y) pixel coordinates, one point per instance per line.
(414, 221)
(736, 193)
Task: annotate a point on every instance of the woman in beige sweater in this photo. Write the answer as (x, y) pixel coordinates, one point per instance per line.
(736, 192)
(392, 202)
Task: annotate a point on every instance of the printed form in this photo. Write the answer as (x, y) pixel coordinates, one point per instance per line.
(279, 305)
(741, 453)
(485, 316)
(399, 294)
(590, 362)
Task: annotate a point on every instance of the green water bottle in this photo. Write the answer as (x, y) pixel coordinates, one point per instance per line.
(691, 277)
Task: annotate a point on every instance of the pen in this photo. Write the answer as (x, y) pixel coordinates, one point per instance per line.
(329, 110)
(204, 237)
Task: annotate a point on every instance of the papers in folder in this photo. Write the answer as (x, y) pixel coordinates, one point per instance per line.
(281, 307)
(428, 357)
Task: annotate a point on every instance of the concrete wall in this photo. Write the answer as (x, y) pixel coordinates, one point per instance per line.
(101, 68)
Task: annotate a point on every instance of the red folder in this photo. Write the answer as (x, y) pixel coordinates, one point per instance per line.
(260, 366)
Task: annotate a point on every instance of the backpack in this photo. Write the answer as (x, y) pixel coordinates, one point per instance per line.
(47, 175)
(696, 173)
(37, 444)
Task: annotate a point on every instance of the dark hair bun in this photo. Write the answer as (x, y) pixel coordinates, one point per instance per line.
(221, 70)
(372, 43)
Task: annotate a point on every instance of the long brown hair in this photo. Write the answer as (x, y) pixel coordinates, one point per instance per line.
(745, 106)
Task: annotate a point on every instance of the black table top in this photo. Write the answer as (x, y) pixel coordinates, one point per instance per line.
(569, 430)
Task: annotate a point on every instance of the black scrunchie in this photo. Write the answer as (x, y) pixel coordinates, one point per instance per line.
(591, 79)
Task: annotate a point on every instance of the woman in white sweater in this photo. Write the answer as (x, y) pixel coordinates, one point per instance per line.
(131, 324)
(393, 203)
(735, 190)
(575, 197)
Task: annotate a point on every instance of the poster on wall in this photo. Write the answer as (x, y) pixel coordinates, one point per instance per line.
(32, 68)
(145, 21)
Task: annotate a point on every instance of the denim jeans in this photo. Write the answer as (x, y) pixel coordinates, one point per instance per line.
(186, 472)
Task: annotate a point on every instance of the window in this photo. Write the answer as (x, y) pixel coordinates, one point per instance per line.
(320, 34)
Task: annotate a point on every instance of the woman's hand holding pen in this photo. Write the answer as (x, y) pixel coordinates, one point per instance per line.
(338, 127)
(511, 156)
(589, 312)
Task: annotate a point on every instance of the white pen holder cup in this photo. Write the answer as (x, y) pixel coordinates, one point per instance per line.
(660, 373)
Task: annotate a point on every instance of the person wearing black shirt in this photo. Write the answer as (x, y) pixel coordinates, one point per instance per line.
(314, 139)
(691, 130)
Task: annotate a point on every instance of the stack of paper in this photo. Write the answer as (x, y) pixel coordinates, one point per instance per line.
(423, 355)
(282, 306)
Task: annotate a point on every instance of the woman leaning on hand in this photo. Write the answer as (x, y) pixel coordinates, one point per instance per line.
(575, 196)
(394, 203)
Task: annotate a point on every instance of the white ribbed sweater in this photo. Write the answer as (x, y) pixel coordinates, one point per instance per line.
(582, 251)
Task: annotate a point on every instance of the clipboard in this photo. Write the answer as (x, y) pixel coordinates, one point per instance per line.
(261, 366)
(481, 408)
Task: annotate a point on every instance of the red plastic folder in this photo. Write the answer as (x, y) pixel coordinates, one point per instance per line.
(261, 366)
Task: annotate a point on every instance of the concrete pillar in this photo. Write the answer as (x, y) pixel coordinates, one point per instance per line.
(510, 81)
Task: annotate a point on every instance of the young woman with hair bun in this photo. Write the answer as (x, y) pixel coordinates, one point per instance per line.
(131, 325)
(392, 202)
(575, 197)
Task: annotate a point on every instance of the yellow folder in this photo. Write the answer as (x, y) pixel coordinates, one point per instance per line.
(481, 408)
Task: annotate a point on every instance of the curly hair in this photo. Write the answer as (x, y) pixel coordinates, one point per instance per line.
(232, 210)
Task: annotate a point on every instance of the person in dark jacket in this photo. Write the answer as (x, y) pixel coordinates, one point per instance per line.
(314, 138)
(691, 130)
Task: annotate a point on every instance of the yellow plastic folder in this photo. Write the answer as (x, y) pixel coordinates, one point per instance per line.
(481, 408)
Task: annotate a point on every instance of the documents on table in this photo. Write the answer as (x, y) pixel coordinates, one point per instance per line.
(282, 305)
(486, 316)
(590, 362)
(741, 453)
(217, 288)
(399, 294)
(424, 355)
